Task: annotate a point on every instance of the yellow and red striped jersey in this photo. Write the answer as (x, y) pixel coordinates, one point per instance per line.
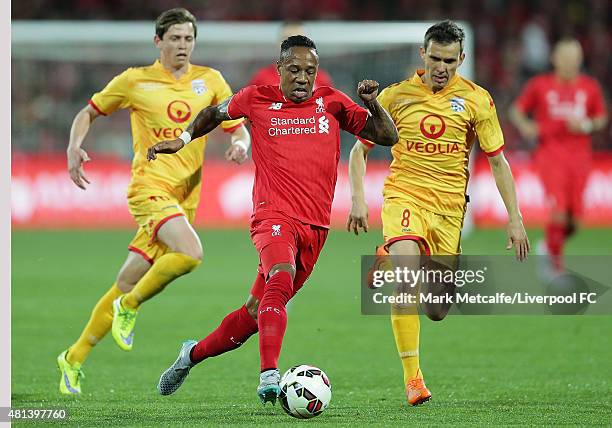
(430, 161)
(161, 107)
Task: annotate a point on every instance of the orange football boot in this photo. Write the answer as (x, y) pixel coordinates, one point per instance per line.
(380, 263)
(416, 392)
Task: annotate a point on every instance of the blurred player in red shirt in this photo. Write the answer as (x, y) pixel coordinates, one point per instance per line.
(269, 75)
(566, 107)
(296, 148)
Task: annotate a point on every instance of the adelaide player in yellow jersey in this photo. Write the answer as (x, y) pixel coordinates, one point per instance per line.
(162, 99)
(438, 114)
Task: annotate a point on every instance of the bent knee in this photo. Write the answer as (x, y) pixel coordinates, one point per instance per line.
(282, 267)
(252, 306)
(124, 286)
(181, 238)
(196, 254)
(125, 283)
(134, 268)
(252, 310)
(193, 251)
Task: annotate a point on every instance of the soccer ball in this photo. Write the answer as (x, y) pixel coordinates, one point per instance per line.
(305, 391)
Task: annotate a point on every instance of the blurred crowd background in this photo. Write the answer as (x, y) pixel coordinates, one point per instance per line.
(513, 40)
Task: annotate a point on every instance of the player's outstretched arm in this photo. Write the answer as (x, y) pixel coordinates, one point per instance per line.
(206, 120)
(517, 236)
(379, 128)
(358, 217)
(76, 155)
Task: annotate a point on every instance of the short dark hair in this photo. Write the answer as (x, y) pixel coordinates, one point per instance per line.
(294, 41)
(445, 33)
(178, 15)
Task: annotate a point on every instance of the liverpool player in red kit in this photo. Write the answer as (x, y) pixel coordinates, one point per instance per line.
(567, 107)
(296, 148)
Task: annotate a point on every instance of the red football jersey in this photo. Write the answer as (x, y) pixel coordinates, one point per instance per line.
(296, 148)
(268, 75)
(553, 102)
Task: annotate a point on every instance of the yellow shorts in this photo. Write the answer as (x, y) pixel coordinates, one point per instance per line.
(151, 210)
(436, 234)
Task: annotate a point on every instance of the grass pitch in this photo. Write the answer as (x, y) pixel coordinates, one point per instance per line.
(480, 369)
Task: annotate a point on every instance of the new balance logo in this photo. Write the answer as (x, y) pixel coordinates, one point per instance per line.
(323, 125)
(320, 105)
(276, 230)
(275, 106)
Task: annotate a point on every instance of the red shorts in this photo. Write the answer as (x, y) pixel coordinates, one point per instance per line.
(281, 239)
(564, 178)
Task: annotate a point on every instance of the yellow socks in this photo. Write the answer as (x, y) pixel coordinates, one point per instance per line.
(99, 324)
(165, 269)
(406, 332)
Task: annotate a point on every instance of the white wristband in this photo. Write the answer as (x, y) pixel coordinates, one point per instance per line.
(186, 137)
(242, 144)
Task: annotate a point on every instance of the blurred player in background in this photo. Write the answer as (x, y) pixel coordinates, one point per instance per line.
(566, 108)
(268, 75)
(163, 200)
(296, 148)
(438, 114)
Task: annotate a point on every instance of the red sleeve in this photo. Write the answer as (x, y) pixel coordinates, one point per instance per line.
(324, 79)
(240, 104)
(596, 105)
(351, 116)
(527, 100)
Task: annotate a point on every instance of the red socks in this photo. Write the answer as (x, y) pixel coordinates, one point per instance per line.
(234, 330)
(272, 318)
(238, 326)
(555, 239)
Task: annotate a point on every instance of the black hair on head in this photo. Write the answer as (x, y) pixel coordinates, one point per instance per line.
(295, 41)
(444, 33)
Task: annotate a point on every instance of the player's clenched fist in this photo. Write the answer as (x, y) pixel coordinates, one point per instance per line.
(164, 147)
(367, 90)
